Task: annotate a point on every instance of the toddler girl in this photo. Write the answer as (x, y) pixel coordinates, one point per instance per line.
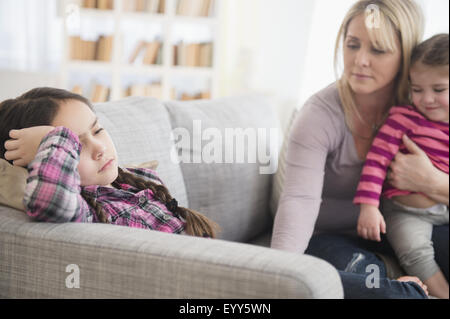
(410, 216)
(73, 168)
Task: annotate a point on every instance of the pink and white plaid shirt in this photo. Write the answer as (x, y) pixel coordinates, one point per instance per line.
(53, 191)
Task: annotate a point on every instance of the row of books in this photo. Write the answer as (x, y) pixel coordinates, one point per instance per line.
(202, 8)
(155, 90)
(98, 4)
(206, 95)
(193, 54)
(151, 90)
(100, 50)
(147, 52)
(100, 93)
(150, 6)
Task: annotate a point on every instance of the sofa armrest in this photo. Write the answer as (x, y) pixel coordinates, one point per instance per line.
(121, 262)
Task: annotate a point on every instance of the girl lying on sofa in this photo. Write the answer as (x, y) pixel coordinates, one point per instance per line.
(73, 168)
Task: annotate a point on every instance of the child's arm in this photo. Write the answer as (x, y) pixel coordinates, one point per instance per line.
(370, 223)
(385, 145)
(52, 193)
(384, 148)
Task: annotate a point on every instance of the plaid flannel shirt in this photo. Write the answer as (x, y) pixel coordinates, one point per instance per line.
(53, 191)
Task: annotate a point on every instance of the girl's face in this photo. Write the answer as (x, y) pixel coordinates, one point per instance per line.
(429, 86)
(367, 69)
(98, 159)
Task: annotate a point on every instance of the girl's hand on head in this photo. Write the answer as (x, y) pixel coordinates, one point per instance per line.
(371, 223)
(23, 145)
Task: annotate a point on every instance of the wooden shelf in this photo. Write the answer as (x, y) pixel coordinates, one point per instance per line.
(117, 68)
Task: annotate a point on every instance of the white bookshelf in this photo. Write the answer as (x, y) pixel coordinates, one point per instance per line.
(116, 72)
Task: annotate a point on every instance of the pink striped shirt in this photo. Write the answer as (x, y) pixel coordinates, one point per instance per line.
(432, 137)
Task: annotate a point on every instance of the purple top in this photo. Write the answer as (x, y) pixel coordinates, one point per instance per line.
(53, 191)
(322, 174)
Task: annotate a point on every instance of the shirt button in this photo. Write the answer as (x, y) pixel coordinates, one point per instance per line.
(166, 217)
(142, 199)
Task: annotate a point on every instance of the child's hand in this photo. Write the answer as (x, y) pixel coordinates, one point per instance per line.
(371, 223)
(24, 143)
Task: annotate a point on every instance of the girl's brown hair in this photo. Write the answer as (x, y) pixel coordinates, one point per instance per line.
(40, 106)
(432, 52)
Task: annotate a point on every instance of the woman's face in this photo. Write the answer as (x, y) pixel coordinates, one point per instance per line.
(367, 69)
(98, 158)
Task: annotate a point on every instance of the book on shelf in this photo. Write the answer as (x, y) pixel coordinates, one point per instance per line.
(100, 50)
(195, 8)
(89, 4)
(193, 54)
(104, 48)
(152, 52)
(149, 6)
(77, 89)
(151, 90)
(100, 93)
(140, 47)
(205, 95)
(98, 4)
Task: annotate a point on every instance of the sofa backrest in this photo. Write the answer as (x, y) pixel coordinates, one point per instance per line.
(236, 195)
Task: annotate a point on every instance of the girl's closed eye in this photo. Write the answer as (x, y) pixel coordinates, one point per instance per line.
(98, 131)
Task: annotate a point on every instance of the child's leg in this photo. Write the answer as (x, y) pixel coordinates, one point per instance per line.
(410, 236)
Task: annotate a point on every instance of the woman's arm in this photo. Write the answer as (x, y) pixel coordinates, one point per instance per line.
(415, 172)
(312, 137)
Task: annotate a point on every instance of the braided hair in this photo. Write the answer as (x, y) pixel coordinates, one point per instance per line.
(196, 223)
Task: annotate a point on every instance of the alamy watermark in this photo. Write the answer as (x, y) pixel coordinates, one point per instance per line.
(373, 279)
(73, 280)
(373, 17)
(227, 146)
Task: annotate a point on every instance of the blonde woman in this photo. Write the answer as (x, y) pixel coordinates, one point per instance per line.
(328, 144)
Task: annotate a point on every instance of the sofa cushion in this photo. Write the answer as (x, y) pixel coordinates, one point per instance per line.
(12, 187)
(235, 195)
(140, 128)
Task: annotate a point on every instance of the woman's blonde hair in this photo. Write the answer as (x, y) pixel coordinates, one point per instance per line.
(393, 18)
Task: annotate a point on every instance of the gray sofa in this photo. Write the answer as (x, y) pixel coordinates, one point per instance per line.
(118, 262)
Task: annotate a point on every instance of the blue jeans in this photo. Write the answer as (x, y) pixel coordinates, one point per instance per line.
(351, 256)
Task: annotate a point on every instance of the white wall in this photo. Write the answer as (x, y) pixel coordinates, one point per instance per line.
(263, 48)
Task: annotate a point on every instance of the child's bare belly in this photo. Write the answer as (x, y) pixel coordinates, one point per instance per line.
(415, 200)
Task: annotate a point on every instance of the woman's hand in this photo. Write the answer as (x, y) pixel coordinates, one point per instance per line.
(411, 172)
(371, 223)
(24, 143)
(415, 172)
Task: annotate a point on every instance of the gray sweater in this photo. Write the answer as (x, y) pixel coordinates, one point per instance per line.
(322, 174)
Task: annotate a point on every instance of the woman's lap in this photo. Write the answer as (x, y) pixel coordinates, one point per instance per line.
(340, 250)
(352, 255)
